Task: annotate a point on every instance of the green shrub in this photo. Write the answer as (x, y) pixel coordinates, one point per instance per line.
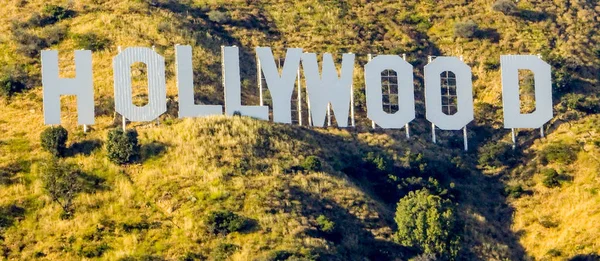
(224, 222)
(325, 225)
(558, 153)
(54, 140)
(90, 41)
(219, 16)
(54, 13)
(551, 178)
(312, 163)
(427, 222)
(497, 154)
(505, 6)
(28, 44)
(466, 30)
(122, 147)
(515, 191)
(223, 251)
(93, 250)
(61, 181)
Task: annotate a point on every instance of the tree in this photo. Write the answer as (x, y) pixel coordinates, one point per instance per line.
(54, 140)
(122, 147)
(427, 222)
(61, 181)
(505, 6)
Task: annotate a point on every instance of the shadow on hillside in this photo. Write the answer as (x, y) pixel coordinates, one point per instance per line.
(211, 34)
(153, 150)
(91, 183)
(85, 147)
(8, 173)
(534, 16)
(481, 203)
(8, 215)
(351, 237)
(590, 257)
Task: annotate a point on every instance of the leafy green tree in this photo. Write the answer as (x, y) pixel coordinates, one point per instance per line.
(122, 147)
(54, 140)
(427, 222)
(61, 181)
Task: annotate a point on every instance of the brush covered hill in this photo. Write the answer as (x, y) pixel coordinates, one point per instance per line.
(538, 202)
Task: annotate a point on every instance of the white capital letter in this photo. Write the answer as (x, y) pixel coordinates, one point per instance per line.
(511, 64)
(185, 85)
(406, 93)
(327, 88)
(157, 88)
(464, 91)
(81, 86)
(281, 86)
(233, 88)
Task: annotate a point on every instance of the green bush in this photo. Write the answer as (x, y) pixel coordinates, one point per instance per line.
(93, 250)
(219, 16)
(497, 154)
(505, 6)
(55, 13)
(325, 225)
(466, 30)
(122, 147)
(54, 140)
(515, 191)
(223, 251)
(551, 178)
(558, 153)
(224, 222)
(427, 222)
(90, 41)
(61, 181)
(312, 163)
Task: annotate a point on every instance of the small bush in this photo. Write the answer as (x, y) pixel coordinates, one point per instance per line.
(93, 250)
(558, 153)
(54, 140)
(515, 191)
(122, 147)
(90, 41)
(466, 30)
(551, 178)
(506, 7)
(62, 183)
(325, 225)
(219, 16)
(312, 163)
(224, 222)
(223, 251)
(54, 34)
(497, 154)
(28, 44)
(55, 13)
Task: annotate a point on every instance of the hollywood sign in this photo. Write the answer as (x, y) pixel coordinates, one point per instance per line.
(325, 89)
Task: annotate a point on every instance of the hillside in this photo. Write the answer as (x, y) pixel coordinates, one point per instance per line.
(510, 205)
